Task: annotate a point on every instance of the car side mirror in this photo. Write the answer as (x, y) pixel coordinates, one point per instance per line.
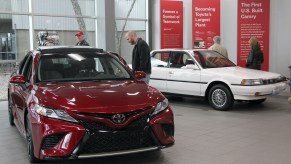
(139, 74)
(17, 79)
(192, 66)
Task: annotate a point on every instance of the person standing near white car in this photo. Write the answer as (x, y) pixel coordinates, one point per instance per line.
(218, 47)
(141, 60)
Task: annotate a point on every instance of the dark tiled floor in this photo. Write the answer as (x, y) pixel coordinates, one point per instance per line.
(248, 134)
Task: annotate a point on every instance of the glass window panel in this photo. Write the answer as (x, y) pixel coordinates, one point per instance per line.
(5, 5)
(18, 5)
(5, 22)
(63, 29)
(21, 29)
(7, 46)
(14, 36)
(63, 7)
(61, 23)
(130, 25)
(22, 43)
(122, 7)
(20, 21)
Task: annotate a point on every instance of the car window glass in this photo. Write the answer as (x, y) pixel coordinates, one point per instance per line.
(197, 57)
(212, 59)
(187, 59)
(79, 67)
(179, 59)
(22, 64)
(99, 66)
(160, 59)
(28, 68)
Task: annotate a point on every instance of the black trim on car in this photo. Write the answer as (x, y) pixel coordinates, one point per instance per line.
(237, 85)
(181, 95)
(45, 50)
(252, 85)
(180, 81)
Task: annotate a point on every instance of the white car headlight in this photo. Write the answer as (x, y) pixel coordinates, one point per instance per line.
(161, 106)
(54, 113)
(252, 82)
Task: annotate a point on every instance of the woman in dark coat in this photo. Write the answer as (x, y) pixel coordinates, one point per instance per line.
(256, 57)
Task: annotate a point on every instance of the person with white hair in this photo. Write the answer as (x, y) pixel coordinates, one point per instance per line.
(218, 47)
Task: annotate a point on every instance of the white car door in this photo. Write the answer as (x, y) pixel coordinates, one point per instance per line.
(159, 62)
(183, 77)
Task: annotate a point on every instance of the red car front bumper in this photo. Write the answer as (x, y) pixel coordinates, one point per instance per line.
(59, 139)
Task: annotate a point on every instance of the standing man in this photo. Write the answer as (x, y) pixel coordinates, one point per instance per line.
(141, 60)
(218, 47)
(81, 39)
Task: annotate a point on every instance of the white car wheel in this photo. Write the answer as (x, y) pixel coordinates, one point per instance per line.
(220, 97)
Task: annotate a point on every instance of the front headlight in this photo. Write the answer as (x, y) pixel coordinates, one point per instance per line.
(53, 113)
(161, 106)
(249, 82)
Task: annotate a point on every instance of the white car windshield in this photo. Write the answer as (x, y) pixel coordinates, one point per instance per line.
(80, 67)
(212, 59)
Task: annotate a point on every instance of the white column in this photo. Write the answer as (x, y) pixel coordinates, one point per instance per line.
(106, 25)
(30, 18)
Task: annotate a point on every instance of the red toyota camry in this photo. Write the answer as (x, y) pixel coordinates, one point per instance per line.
(78, 102)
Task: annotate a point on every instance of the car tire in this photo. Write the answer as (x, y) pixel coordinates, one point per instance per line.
(257, 101)
(29, 141)
(10, 114)
(220, 97)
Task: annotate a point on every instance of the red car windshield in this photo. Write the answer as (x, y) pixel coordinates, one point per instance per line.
(80, 67)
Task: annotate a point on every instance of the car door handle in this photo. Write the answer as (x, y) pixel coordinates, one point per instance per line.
(171, 72)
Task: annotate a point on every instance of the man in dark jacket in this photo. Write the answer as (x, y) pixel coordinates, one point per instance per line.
(81, 39)
(141, 60)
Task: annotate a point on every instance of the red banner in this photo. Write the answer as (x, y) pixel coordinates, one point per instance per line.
(253, 20)
(205, 23)
(171, 23)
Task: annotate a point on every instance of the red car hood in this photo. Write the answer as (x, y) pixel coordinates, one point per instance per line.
(116, 96)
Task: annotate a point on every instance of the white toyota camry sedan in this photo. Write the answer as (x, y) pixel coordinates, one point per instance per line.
(208, 74)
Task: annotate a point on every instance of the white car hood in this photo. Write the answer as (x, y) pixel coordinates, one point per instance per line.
(242, 73)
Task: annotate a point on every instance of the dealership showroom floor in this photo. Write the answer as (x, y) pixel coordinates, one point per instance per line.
(247, 134)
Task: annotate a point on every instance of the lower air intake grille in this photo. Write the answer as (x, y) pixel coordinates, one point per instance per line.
(52, 140)
(169, 128)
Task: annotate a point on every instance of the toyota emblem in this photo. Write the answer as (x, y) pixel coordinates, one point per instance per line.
(118, 118)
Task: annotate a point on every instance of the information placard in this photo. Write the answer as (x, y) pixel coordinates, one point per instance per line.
(205, 23)
(171, 23)
(253, 21)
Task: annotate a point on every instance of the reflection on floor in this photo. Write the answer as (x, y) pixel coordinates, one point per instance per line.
(247, 134)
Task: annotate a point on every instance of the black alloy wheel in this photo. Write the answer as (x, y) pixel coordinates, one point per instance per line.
(30, 148)
(10, 114)
(220, 97)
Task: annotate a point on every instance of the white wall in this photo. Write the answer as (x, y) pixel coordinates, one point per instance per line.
(280, 31)
(280, 35)
(156, 28)
(228, 27)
